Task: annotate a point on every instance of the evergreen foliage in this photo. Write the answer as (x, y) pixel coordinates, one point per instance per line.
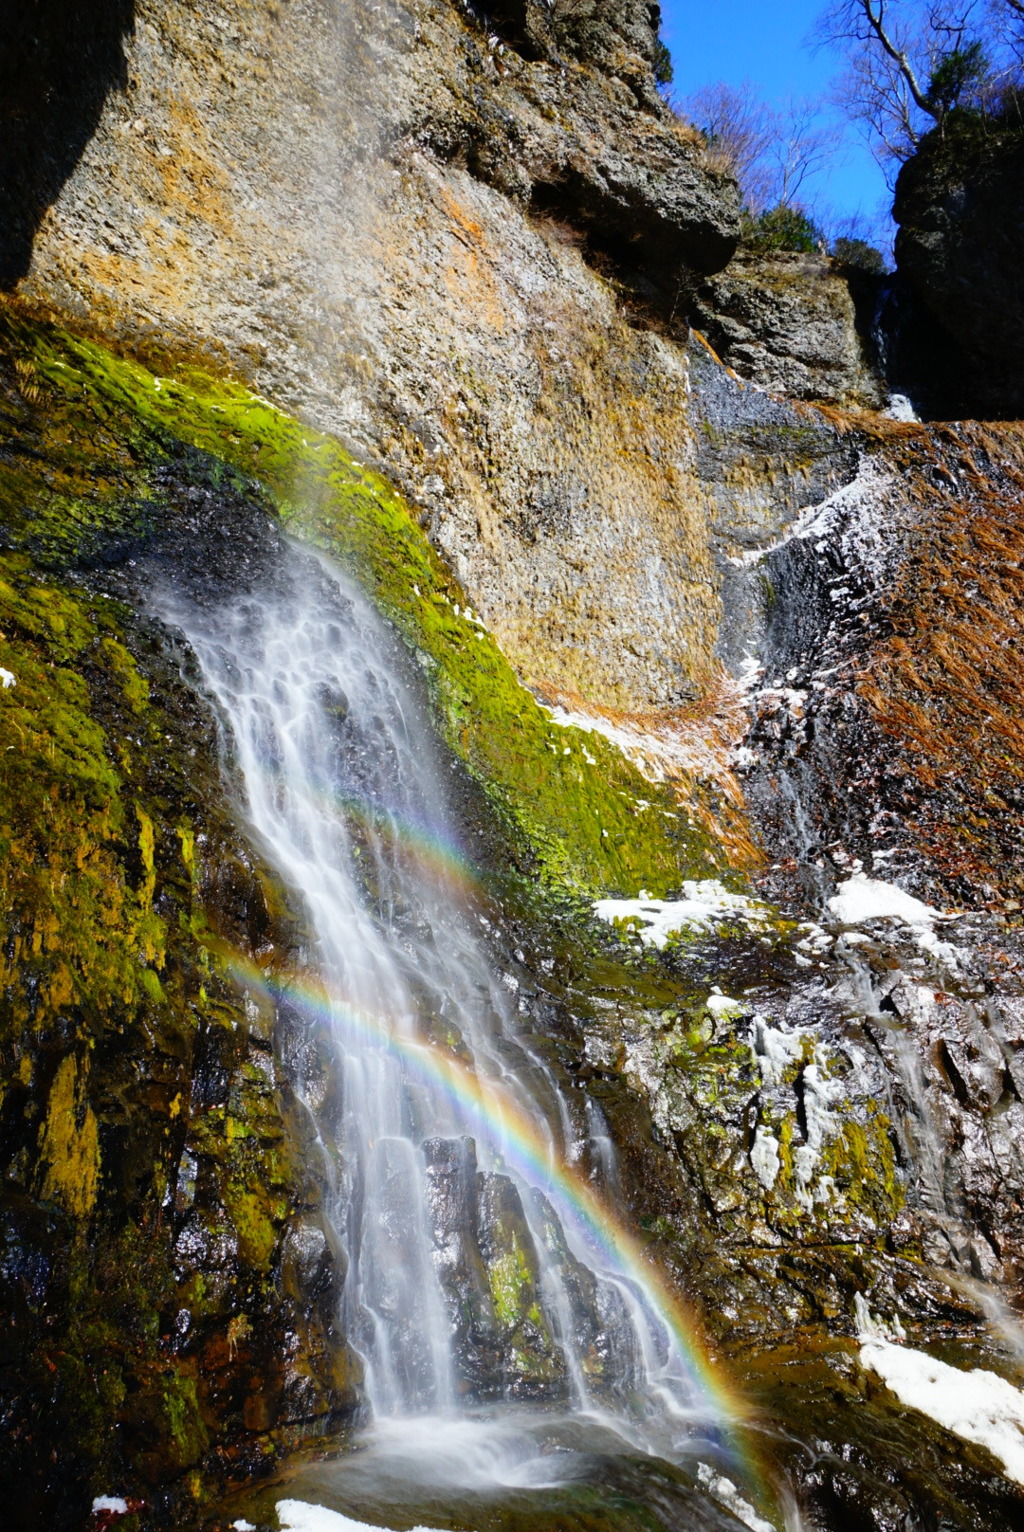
(663, 70)
(782, 228)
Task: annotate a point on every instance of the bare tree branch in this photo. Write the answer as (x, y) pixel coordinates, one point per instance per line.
(912, 62)
(772, 151)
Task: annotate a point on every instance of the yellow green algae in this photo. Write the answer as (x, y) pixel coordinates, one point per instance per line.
(584, 816)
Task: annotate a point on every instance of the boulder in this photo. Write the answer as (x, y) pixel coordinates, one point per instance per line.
(789, 322)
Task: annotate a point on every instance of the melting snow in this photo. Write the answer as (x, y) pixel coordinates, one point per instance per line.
(112, 1503)
(978, 1405)
(706, 905)
(301, 1516)
(862, 898)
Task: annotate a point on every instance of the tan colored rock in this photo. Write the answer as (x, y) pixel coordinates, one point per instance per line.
(788, 322)
(288, 186)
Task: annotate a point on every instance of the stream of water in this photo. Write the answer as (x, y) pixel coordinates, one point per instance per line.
(504, 1342)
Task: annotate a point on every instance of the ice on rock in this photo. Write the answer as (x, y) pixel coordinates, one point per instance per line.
(726, 1493)
(899, 407)
(776, 1050)
(764, 1157)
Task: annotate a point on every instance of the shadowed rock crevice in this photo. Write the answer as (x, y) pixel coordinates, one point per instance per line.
(58, 64)
(955, 318)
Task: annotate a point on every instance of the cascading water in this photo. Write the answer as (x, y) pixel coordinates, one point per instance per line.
(475, 1270)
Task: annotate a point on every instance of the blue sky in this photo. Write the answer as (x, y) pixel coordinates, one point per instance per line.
(738, 40)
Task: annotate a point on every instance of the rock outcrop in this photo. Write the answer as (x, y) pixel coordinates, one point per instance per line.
(383, 219)
(794, 324)
(959, 310)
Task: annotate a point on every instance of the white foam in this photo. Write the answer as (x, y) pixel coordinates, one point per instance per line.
(302, 1516)
(706, 906)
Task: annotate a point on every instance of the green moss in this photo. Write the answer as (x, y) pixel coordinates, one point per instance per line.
(509, 1277)
(571, 801)
(863, 1163)
(184, 1422)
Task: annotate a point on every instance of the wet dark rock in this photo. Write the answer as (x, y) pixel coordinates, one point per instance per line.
(958, 312)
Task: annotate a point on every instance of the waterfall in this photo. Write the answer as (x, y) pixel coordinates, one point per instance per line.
(470, 1274)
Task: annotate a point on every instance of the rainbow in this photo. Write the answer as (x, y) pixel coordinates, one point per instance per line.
(502, 1124)
(419, 840)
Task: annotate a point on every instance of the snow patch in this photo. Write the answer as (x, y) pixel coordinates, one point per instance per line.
(706, 905)
(113, 1504)
(979, 1405)
(7, 679)
(302, 1516)
(862, 898)
(662, 749)
(724, 1008)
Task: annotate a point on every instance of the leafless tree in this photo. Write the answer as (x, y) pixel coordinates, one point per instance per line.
(738, 126)
(772, 151)
(803, 144)
(911, 62)
(1007, 21)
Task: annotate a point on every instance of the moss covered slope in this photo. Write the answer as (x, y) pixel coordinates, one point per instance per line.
(581, 814)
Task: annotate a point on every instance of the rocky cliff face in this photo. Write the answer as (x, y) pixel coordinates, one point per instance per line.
(383, 219)
(957, 313)
(413, 283)
(790, 323)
